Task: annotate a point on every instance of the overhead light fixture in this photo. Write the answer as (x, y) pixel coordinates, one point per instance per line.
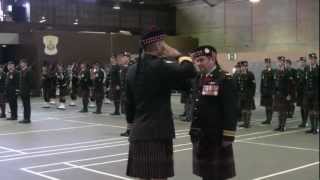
(9, 8)
(4, 46)
(43, 19)
(254, 1)
(116, 6)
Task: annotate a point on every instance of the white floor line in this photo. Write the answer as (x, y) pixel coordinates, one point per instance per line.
(71, 144)
(46, 130)
(12, 150)
(98, 124)
(39, 174)
(280, 146)
(276, 134)
(287, 171)
(63, 149)
(98, 172)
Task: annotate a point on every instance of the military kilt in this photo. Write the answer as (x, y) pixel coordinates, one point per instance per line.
(213, 161)
(266, 101)
(150, 159)
(311, 102)
(3, 98)
(247, 103)
(115, 94)
(280, 104)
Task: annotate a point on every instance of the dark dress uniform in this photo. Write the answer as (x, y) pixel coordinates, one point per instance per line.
(46, 85)
(25, 90)
(85, 83)
(12, 86)
(123, 84)
(98, 89)
(247, 88)
(53, 83)
(300, 92)
(293, 86)
(115, 84)
(281, 94)
(3, 94)
(311, 96)
(266, 92)
(63, 83)
(74, 83)
(149, 87)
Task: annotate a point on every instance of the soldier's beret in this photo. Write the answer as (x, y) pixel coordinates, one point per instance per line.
(281, 58)
(11, 62)
(203, 51)
(244, 63)
(313, 55)
(152, 36)
(302, 59)
(267, 60)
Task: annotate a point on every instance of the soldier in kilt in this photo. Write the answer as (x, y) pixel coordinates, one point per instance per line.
(53, 82)
(300, 79)
(74, 83)
(63, 81)
(266, 90)
(85, 83)
(282, 94)
(46, 85)
(214, 119)
(115, 83)
(148, 106)
(311, 93)
(293, 86)
(2, 92)
(247, 88)
(12, 88)
(97, 80)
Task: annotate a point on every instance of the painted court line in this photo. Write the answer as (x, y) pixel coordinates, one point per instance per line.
(46, 130)
(287, 171)
(280, 146)
(11, 150)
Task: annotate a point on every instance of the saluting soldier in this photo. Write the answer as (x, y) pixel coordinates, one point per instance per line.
(282, 94)
(266, 90)
(85, 83)
(25, 90)
(311, 92)
(115, 85)
(46, 85)
(300, 83)
(293, 86)
(74, 83)
(63, 81)
(149, 87)
(12, 87)
(2, 92)
(97, 80)
(214, 118)
(247, 88)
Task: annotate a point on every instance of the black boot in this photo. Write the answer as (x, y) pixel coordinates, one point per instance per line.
(126, 133)
(313, 125)
(304, 117)
(117, 108)
(269, 116)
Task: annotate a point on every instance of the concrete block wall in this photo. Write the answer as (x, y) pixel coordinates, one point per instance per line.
(254, 31)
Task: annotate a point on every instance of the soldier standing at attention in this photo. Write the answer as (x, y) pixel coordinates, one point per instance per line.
(53, 83)
(300, 79)
(74, 83)
(12, 86)
(25, 90)
(266, 90)
(45, 83)
(2, 92)
(115, 85)
(247, 88)
(149, 87)
(62, 82)
(282, 93)
(97, 81)
(311, 92)
(85, 83)
(293, 86)
(214, 121)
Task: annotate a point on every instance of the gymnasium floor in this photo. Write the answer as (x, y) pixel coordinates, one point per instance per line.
(68, 145)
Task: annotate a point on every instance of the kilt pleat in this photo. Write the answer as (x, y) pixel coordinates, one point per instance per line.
(150, 159)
